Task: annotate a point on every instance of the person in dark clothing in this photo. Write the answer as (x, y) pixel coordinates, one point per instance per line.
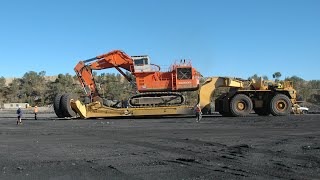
(19, 112)
(35, 112)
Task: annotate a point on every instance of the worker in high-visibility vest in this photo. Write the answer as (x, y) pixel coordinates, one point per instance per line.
(198, 112)
(35, 112)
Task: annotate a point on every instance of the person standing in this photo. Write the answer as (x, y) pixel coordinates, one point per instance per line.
(198, 113)
(19, 112)
(35, 112)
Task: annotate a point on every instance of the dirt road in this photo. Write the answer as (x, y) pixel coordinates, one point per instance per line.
(171, 148)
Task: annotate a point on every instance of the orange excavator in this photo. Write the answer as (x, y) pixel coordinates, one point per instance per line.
(155, 88)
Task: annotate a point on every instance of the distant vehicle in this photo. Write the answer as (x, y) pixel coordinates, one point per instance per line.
(301, 109)
(304, 110)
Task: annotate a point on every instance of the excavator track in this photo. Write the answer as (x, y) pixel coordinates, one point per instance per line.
(156, 99)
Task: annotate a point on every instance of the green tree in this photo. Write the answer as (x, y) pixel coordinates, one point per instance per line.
(301, 86)
(112, 86)
(63, 84)
(2, 90)
(34, 87)
(265, 77)
(13, 91)
(298, 82)
(276, 76)
(256, 77)
(2, 82)
(314, 86)
(315, 98)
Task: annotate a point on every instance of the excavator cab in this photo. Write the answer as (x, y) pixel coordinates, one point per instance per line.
(141, 63)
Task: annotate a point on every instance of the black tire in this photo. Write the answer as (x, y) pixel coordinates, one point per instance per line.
(240, 105)
(57, 107)
(65, 105)
(262, 111)
(220, 102)
(280, 105)
(304, 112)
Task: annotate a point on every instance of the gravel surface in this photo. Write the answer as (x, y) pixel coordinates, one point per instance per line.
(160, 148)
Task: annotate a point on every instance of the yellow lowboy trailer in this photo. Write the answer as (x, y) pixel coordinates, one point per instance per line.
(95, 110)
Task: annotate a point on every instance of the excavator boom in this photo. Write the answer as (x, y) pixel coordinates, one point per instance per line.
(114, 59)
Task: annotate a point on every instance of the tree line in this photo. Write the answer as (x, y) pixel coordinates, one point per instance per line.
(34, 88)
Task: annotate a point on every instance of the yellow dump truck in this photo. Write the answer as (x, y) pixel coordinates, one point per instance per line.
(264, 97)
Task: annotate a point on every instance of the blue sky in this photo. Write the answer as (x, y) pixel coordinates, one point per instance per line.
(235, 38)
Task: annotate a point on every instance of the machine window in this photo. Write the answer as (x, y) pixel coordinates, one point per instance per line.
(140, 62)
(184, 73)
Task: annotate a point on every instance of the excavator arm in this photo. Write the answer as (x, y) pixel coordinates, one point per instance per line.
(114, 59)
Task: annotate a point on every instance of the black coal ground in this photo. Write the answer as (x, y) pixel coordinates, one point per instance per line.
(160, 148)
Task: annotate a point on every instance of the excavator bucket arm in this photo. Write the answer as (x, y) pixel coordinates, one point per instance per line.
(84, 74)
(114, 59)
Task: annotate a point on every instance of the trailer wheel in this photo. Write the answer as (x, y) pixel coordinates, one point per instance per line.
(240, 105)
(280, 105)
(57, 107)
(262, 111)
(65, 105)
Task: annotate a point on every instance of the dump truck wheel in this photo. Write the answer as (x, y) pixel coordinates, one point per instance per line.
(240, 105)
(57, 107)
(262, 112)
(65, 105)
(280, 105)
